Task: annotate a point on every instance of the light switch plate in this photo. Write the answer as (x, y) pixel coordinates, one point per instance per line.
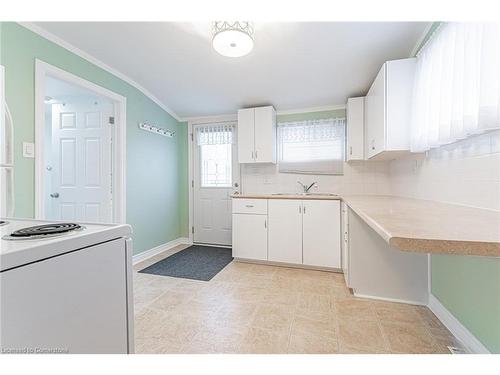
(28, 150)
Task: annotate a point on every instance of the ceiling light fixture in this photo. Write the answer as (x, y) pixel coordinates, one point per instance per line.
(232, 39)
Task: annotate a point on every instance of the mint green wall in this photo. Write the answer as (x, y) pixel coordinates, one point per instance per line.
(469, 287)
(156, 166)
(311, 115)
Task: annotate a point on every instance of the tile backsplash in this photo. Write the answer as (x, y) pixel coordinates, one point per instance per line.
(364, 177)
(465, 172)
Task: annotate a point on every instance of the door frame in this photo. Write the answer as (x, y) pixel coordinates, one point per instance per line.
(192, 122)
(44, 70)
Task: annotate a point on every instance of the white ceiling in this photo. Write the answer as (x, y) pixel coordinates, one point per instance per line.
(292, 66)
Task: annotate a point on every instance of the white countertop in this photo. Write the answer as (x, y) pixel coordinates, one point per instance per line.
(314, 196)
(418, 225)
(430, 227)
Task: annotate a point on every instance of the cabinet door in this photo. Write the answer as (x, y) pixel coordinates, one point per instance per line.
(285, 230)
(355, 129)
(399, 88)
(250, 236)
(265, 135)
(321, 233)
(246, 131)
(344, 239)
(375, 116)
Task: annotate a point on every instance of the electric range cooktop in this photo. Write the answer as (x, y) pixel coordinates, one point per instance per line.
(43, 231)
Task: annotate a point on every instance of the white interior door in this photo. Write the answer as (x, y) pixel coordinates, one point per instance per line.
(216, 176)
(80, 168)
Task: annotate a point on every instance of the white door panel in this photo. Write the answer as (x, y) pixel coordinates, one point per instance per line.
(80, 167)
(212, 211)
(321, 233)
(285, 230)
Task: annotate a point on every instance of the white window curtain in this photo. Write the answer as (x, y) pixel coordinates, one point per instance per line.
(215, 134)
(314, 146)
(457, 85)
(215, 154)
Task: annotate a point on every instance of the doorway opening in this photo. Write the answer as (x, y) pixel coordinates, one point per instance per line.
(80, 164)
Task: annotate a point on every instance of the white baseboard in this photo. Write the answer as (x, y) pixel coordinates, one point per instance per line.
(159, 249)
(471, 343)
(388, 299)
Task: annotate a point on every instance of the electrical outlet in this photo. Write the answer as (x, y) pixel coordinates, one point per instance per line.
(267, 180)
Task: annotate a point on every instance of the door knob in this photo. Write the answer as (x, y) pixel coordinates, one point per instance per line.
(54, 195)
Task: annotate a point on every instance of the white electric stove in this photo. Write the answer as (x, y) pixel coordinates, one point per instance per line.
(65, 287)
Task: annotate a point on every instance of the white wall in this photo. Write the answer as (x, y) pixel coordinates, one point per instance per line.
(359, 178)
(465, 172)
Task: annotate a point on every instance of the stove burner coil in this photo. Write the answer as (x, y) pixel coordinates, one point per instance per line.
(45, 230)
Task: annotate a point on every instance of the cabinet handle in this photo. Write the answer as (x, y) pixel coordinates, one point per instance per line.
(252, 156)
(300, 209)
(256, 157)
(265, 224)
(350, 150)
(304, 209)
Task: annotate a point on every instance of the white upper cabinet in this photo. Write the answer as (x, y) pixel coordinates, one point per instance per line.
(257, 135)
(388, 110)
(355, 129)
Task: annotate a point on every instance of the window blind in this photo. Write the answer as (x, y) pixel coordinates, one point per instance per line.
(313, 146)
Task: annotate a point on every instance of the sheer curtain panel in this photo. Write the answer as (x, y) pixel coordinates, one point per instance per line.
(314, 146)
(215, 134)
(457, 85)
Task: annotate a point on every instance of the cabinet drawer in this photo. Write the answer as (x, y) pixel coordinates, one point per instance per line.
(250, 206)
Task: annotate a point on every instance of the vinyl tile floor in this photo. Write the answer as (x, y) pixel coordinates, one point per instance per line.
(261, 309)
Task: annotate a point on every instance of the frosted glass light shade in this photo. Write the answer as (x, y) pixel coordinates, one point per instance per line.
(233, 39)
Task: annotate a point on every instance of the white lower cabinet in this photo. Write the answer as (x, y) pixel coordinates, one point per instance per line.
(285, 230)
(321, 233)
(289, 231)
(250, 229)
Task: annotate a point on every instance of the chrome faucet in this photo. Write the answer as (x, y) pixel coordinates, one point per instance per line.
(305, 187)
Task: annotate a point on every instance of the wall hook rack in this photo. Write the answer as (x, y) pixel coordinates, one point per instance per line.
(155, 129)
